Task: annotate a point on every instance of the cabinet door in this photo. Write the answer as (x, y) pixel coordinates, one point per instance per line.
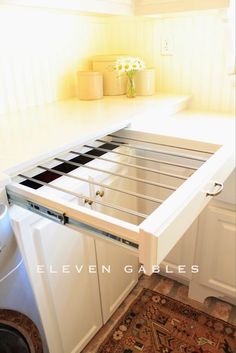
(217, 252)
(116, 284)
(68, 297)
(117, 267)
(182, 254)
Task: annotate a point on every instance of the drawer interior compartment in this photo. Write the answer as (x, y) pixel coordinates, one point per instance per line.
(136, 189)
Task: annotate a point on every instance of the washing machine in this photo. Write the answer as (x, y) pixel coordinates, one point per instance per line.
(20, 325)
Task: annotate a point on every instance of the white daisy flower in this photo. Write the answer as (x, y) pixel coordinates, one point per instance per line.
(127, 64)
(119, 67)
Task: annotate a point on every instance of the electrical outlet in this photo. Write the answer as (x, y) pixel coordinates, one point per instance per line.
(167, 45)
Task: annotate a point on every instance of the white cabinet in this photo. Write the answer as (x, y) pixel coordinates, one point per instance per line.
(184, 251)
(123, 276)
(216, 254)
(118, 7)
(74, 292)
(210, 244)
(115, 279)
(124, 7)
(147, 7)
(66, 293)
(175, 182)
(155, 188)
(183, 254)
(113, 7)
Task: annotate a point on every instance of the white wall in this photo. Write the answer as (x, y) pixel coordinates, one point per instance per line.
(40, 52)
(201, 60)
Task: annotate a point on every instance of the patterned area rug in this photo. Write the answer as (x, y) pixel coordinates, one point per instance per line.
(155, 323)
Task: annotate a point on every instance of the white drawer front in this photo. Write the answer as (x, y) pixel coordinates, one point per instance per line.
(137, 190)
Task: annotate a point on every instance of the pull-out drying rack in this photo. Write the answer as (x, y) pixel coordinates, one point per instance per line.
(47, 175)
(114, 185)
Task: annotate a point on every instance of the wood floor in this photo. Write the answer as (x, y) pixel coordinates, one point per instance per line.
(176, 290)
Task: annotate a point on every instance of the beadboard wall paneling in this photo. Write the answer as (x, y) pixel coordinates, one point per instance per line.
(199, 65)
(40, 52)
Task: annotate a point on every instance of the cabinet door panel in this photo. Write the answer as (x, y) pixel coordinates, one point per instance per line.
(68, 297)
(218, 241)
(182, 254)
(117, 284)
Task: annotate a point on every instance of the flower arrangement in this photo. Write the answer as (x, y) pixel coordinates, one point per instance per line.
(129, 66)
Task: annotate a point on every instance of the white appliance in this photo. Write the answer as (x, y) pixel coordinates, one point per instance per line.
(135, 190)
(15, 289)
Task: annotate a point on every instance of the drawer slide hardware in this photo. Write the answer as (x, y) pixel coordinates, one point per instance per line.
(63, 219)
(43, 211)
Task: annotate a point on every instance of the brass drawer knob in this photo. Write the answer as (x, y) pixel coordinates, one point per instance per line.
(90, 202)
(100, 193)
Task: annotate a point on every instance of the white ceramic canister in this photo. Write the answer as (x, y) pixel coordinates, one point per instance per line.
(113, 85)
(90, 85)
(145, 82)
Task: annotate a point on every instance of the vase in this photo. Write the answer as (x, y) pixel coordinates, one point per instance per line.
(131, 91)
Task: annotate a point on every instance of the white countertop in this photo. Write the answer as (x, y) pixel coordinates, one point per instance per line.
(46, 130)
(201, 126)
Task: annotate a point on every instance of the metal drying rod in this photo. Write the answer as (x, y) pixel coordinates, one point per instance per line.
(127, 192)
(139, 157)
(85, 198)
(158, 143)
(65, 166)
(118, 144)
(140, 180)
(130, 165)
